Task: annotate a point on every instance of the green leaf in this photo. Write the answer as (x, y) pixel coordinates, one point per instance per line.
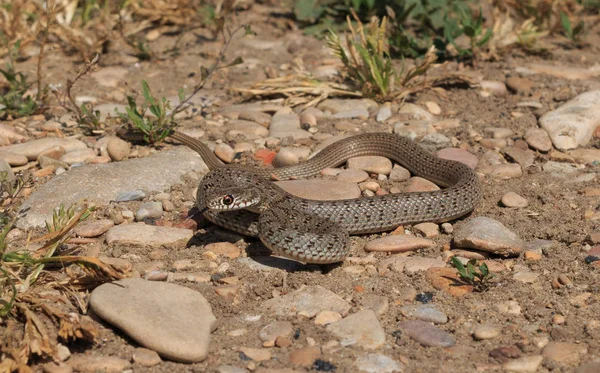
(238, 61)
(147, 95)
(248, 30)
(566, 24)
(180, 95)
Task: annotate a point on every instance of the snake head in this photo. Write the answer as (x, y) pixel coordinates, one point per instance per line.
(231, 199)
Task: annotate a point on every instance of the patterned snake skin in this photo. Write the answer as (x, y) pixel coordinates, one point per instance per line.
(244, 200)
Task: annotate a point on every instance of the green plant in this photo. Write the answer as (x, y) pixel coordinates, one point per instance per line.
(367, 60)
(156, 128)
(572, 33)
(15, 99)
(478, 277)
(471, 26)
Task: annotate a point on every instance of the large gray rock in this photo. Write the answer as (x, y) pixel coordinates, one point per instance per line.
(170, 319)
(101, 183)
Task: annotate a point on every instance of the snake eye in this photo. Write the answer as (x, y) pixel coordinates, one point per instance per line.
(227, 200)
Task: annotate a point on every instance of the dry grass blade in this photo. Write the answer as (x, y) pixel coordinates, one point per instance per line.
(297, 89)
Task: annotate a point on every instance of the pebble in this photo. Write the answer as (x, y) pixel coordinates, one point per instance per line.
(447, 124)
(519, 85)
(276, 329)
(118, 149)
(376, 363)
(486, 234)
(256, 116)
(493, 87)
(509, 307)
(146, 357)
(446, 279)
(586, 156)
(433, 107)
(424, 312)
(398, 244)
(247, 128)
(372, 164)
(493, 144)
(305, 356)
(512, 199)
(140, 234)
(564, 353)
(336, 105)
(227, 291)
(78, 156)
(352, 175)
(33, 148)
(15, 160)
(459, 155)
(523, 157)
(323, 190)
(256, 354)
(418, 184)
(415, 112)
(506, 171)
(224, 152)
(287, 125)
(133, 195)
(384, 113)
(362, 329)
(285, 157)
(82, 183)
(399, 173)
(149, 210)
(427, 334)
(9, 135)
(435, 141)
(525, 364)
(307, 120)
(327, 317)
(172, 320)
(307, 301)
(226, 249)
(93, 228)
(573, 123)
(379, 304)
(93, 364)
(538, 139)
(486, 331)
(351, 114)
(428, 230)
(413, 129)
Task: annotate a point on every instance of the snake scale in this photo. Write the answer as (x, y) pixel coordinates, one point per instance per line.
(245, 200)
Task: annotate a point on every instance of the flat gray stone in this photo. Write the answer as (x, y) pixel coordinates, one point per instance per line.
(427, 334)
(424, 312)
(287, 125)
(482, 233)
(101, 183)
(170, 319)
(307, 301)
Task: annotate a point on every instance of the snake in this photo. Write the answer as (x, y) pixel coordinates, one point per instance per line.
(244, 199)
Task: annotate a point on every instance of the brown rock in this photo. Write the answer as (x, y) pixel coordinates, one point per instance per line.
(305, 356)
(448, 280)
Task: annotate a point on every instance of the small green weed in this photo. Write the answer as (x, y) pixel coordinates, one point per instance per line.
(156, 128)
(15, 100)
(478, 277)
(367, 61)
(472, 26)
(574, 34)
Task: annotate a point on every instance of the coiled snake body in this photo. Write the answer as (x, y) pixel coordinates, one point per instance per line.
(245, 200)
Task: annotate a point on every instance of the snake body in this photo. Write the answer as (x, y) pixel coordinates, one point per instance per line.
(245, 200)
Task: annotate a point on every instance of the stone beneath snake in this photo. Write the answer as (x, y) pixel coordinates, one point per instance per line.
(245, 200)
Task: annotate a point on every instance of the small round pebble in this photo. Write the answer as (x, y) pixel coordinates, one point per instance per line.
(276, 329)
(224, 152)
(285, 157)
(118, 149)
(512, 199)
(327, 317)
(146, 357)
(482, 332)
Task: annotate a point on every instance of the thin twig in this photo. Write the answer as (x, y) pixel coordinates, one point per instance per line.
(207, 73)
